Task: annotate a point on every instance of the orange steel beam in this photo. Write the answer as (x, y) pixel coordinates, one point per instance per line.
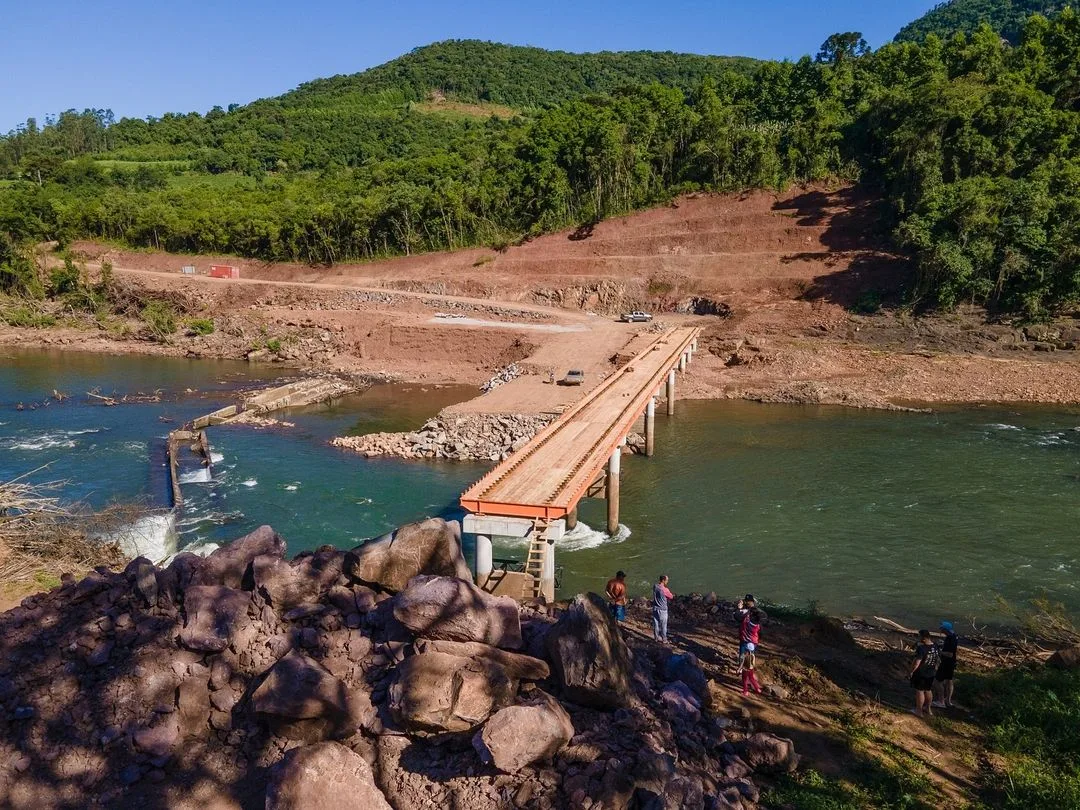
(477, 500)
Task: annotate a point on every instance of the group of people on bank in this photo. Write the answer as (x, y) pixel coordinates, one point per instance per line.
(750, 621)
(932, 670)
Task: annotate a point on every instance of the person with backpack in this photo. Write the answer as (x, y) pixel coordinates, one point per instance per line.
(923, 669)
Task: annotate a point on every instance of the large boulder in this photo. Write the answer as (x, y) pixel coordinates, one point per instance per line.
(680, 702)
(517, 736)
(685, 667)
(456, 610)
(589, 658)
(518, 667)
(437, 693)
(769, 753)
(430, 547)
(287, 585)
(1066, 658)
(228, 564)
(214, 615)
(304, 701)
(324, 776)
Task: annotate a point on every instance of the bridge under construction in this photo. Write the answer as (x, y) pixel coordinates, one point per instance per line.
(535, 492)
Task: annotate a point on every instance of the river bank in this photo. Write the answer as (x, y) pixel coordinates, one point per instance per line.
(179, 690)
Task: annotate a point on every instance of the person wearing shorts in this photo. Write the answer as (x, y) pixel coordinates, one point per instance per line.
(943, 679)
(616, 596)
(923, 669)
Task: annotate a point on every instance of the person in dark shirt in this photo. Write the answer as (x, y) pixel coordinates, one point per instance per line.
(923, 669)
(943, 679)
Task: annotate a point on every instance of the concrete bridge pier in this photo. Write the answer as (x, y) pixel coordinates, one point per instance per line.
(484, 528)
(682, 362)
(571, 519)
(671, 393)
(483, 564)
(613, 470)
(650, 427)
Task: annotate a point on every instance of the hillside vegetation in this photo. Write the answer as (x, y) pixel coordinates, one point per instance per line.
(965, 16)
(973, 142)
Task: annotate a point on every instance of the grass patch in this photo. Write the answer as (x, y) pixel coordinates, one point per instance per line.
(461, 109)
(200, 326)
(811, 610)
(225, 180)
(160, 319)
(1033, 722)
(26, 317)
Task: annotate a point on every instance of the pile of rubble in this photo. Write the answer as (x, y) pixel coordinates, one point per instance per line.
(377, 678)
(511, 372)
(464, 437)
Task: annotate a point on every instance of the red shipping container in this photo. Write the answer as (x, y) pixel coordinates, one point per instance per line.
(224, 271)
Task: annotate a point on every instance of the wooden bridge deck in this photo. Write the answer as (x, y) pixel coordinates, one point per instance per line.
(548, 476)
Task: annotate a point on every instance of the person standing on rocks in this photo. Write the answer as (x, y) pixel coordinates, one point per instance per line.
(923, 670)
(661, 596)
(616, 596)
(750, 619)
(943, 685)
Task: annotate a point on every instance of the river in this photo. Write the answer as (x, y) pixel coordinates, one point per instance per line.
(915, 516)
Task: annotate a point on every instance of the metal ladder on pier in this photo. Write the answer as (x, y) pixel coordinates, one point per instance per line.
(534, 562)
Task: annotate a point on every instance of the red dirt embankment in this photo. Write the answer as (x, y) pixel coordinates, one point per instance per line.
(779, 276)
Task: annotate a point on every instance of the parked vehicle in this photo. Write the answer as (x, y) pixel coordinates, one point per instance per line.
(573, 377)
(637, 316)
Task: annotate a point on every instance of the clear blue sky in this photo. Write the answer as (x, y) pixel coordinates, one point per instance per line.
(144, 58)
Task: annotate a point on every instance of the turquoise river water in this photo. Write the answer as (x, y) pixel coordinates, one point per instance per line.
(915, 516)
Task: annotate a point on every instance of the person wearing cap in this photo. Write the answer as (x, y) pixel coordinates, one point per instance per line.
(616, 596)
(943, 680)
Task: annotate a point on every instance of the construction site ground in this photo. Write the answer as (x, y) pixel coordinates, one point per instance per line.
(780, 278)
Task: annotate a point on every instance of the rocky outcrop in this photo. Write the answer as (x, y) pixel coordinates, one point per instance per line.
(465, 437)
(456, 610)
(516, 736)
(287, 585)
(325, 776)
(590, 660)
(228, 564)
(437, 693)
(214, 615)
(517, 666)
(304, 700)
(430, 547)
(159, 688)
(767, 752)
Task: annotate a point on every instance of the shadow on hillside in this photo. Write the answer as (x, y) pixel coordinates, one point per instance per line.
(865, 273)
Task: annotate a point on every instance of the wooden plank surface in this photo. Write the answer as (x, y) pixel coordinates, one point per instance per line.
(555, 468)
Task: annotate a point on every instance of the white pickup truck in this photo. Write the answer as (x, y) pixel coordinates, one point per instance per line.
(637, 316)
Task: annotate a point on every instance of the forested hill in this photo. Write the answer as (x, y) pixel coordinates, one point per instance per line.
(518, 77)
(1007, 17)
(975, 145)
